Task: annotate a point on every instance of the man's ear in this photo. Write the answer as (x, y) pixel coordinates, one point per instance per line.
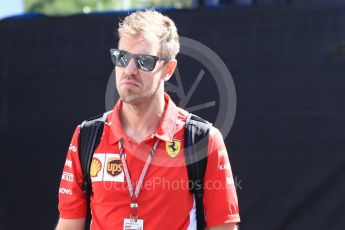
(169, 69)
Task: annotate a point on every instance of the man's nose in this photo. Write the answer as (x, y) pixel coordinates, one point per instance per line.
(131, 68)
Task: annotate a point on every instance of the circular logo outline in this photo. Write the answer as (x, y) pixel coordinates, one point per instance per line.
(220, 73)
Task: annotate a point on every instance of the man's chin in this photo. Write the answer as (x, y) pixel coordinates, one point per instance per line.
(138, 98)
(133, 99)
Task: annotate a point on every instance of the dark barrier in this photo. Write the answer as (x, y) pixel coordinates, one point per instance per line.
(287, 140)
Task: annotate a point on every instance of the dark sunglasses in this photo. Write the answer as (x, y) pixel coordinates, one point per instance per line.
(143, 62)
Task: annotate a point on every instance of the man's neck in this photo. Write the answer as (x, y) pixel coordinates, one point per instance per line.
(140, 120)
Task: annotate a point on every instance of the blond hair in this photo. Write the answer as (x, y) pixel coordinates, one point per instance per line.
(152, 23)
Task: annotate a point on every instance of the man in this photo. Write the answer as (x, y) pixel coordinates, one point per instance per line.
(142, 146)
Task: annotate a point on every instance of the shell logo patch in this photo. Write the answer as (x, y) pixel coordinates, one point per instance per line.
(96, 166)
(173, 147)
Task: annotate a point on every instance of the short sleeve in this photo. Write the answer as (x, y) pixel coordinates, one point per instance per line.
(220, 198)
(72, 201)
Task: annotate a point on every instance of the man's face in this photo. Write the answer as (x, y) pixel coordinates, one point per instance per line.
(135, 85)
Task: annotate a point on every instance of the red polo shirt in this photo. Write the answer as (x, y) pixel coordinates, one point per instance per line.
(164, 200)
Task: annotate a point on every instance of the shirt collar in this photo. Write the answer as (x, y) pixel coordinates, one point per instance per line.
(165, 130)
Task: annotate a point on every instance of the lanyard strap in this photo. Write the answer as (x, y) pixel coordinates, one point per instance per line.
(134, 196)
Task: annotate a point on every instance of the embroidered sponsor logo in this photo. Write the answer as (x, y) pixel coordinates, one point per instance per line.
(222, 153)
(224, 167)
(65, 191)
(72, 148)
(68, 163)
(106, 167)
(114, 166)
(96, 166)
(173, 147)
(67, 176)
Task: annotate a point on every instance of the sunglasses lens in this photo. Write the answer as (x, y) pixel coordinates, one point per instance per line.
(119, 58)
(146, 62)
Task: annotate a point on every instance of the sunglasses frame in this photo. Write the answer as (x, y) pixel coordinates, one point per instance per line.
(135, 57)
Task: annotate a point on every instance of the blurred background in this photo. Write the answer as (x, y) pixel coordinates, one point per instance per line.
(287, 62)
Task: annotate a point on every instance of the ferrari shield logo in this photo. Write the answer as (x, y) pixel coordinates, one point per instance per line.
(173, 147)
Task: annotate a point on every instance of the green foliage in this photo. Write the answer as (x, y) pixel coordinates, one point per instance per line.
(65, 7)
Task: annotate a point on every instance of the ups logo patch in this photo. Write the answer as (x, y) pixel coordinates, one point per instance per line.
(114, 166)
